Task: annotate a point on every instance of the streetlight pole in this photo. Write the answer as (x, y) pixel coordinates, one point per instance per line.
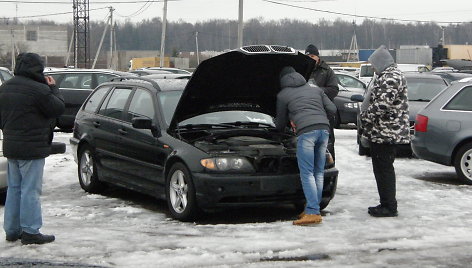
(240, 24)
(163, 36)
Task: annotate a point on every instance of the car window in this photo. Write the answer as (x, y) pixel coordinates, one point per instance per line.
(141, 105)
(102, 78)
(461, 101)
(423, 89)
(347, 81)
(115, 103)
(168, 101)
(6, 76)
(76, 81)
(92, 103)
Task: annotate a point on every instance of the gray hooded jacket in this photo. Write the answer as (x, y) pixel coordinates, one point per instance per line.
(305, 105)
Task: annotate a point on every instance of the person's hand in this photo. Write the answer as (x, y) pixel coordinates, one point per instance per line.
(50, 80)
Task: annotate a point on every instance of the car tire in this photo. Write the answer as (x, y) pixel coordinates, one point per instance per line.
(463, 163)
(337, 121)
(180, 194)
(363, 150)
(88, 172)
(324, 203)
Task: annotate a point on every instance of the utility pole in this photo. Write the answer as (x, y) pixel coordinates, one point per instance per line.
(163, 36)
(353, 46)
(240, 24)
(442, 39)
(81, 33)
(101, 43)
(198, 53)
(112, 33)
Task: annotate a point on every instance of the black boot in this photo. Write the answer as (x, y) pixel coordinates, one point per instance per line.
(13, 238)
(39, 238)
(381, 211)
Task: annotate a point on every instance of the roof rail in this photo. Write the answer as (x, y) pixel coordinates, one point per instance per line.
(129, 77)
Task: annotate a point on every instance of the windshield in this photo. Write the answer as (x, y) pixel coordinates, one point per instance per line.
(367, 71)
(170, 99)
(423, 89)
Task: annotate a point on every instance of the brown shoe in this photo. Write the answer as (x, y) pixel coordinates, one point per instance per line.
(301, 215)
(308, 219)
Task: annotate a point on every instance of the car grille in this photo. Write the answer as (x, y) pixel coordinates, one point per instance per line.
(256, 49)
(282, 49)
(275, 165)
(267, 49)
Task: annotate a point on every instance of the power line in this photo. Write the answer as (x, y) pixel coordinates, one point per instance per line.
(360, 16)
(50, 14)
(91, 2)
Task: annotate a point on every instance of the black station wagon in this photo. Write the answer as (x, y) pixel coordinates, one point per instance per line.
(202, 144)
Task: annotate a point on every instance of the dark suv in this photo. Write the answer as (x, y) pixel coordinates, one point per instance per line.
(210, 145)
(75, 85)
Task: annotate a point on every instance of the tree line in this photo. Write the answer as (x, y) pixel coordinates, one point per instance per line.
(219, 34)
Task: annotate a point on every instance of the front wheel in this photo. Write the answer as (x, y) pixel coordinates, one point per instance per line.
(87, 171)
(463, 163)
(180, 194)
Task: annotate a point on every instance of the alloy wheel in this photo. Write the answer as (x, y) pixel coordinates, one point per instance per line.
(178, 190)
(466, 164)
(86, 168)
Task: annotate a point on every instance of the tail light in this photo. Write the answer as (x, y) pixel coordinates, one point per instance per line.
(421, 124)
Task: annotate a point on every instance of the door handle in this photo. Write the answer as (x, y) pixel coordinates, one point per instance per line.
(122, 131)
(96, 123)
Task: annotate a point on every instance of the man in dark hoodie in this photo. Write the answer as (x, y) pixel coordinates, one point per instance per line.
(29, 106)
(324, 77)
(307, 108)
(384, 116)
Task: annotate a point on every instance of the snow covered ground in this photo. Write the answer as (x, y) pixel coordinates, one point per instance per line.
(125, 229)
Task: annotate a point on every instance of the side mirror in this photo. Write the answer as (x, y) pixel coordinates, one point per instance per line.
(357, 97)
(146, 123)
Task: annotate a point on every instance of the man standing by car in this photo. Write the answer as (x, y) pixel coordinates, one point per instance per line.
(307, 108)
(324, 77)
(386, 123)
(29, 105)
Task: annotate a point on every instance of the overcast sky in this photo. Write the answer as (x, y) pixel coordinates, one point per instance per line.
(201, 10)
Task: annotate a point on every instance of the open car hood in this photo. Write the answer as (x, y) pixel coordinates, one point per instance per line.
(243, 79)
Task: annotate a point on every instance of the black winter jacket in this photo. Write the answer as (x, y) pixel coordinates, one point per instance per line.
(324, 77)
(28, 111)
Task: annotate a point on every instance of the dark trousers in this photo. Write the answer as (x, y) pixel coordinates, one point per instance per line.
(331, 137)
(383, 156)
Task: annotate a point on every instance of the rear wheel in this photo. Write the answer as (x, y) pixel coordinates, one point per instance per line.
(463, 163)
(87, 170)
(180, 193)
(337, 121)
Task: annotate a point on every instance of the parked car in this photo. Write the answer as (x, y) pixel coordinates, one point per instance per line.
(167, 69)
(346, 108)
(443, 130)
(422, 87)
(5, 75)
(168, 76)
(144, 72)
(56, 148)
(366, 72)
(75, 85)
(3, 171)
(208, 146)
(451, 77)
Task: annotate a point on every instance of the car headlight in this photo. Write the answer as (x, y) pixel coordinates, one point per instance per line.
(228, 164)
(351, 105)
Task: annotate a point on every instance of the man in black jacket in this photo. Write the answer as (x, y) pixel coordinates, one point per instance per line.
(29, 106)
(324, 77)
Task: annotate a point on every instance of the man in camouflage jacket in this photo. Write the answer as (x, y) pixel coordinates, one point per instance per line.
(385, 123)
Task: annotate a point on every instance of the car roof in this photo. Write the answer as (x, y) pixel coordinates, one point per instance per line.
(79, 70)
(155, 85)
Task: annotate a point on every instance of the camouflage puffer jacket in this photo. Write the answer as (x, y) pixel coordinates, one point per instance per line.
(386, 119)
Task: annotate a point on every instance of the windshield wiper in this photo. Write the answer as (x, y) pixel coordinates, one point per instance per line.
(205, 126)
(249, 124)
(423, 100)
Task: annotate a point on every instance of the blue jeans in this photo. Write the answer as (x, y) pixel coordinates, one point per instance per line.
(23, 206)
(311, 156)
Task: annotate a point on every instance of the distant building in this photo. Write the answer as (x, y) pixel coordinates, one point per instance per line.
(45, 40)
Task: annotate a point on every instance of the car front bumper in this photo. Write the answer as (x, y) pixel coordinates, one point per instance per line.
(217, 190)
(74, 144)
